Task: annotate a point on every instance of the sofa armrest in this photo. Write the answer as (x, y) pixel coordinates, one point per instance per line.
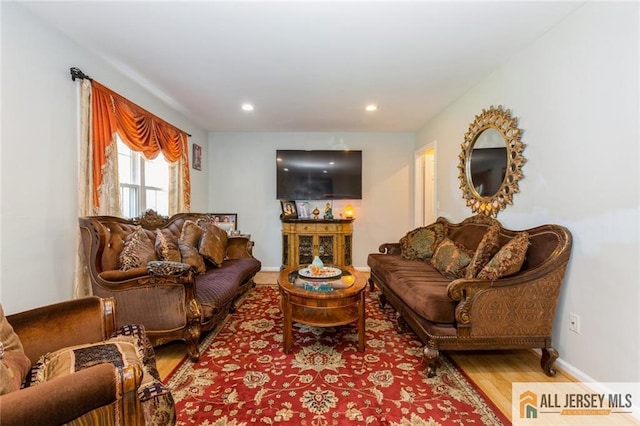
(66, 398)
(525, 301)
(73, 322)
(390, 248)
(139, 300)
(238, 247)
(465, 287)
(116, 275)
(117, 281)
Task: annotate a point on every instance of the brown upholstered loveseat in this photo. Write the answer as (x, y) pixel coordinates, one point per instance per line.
(84, 370)
(179, 305)
(468, 310)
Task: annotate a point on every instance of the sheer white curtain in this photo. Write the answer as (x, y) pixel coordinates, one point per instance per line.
(179, 195)
(109, 193)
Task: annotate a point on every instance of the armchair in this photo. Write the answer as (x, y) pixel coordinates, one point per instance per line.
(100, 393)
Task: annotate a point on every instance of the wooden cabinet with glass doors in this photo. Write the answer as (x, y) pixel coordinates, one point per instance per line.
(331, 240)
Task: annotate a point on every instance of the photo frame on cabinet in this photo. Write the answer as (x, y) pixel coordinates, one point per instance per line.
(226, 221)
(289, 210)
(304, 209)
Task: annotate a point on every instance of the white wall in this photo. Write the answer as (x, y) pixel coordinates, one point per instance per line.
(575, 92)
(39, 163)
(243, 180)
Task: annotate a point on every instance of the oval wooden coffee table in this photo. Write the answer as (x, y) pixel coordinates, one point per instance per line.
(322, 302)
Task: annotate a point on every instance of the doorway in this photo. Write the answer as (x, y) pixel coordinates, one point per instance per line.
(425, 201)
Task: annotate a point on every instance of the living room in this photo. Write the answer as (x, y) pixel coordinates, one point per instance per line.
(574, 90)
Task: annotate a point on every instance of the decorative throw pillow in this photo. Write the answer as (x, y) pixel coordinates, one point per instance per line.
(14, 364)
(420, 243)
(508, 260)
(213, 244)
(167, 246)
(166, 267)
(451, 259)
(488, 247)
(191, 233)
(120, 351)
(192, 257)
(138, 250)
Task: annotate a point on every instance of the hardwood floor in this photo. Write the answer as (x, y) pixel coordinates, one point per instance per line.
(492, 371)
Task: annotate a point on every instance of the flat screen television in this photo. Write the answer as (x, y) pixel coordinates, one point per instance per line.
(318, 175)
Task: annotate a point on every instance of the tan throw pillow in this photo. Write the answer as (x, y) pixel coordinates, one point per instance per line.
(451, 259)
(213, 244)
(192, 257)
(191, 233)
(138, 250)
(488, 247)
(120, 351)
(14, 364)
(421, 243)
(167, 246)
(508, 260)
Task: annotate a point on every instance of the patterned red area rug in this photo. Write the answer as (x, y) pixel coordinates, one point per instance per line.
(243, 376)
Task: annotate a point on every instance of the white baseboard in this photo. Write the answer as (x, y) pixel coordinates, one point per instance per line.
(567, 368)
(583, 377)
(270, 269)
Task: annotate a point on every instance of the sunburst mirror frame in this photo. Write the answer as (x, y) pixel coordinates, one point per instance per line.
(500, 120)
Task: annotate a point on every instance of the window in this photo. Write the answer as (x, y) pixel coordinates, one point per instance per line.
(144, 184)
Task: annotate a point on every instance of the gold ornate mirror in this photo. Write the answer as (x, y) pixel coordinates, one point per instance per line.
(491, 161)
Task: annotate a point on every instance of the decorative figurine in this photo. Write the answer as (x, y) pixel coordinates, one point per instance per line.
(328, 212)
(316, 213)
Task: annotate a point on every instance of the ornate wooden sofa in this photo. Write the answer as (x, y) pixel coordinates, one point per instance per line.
(480, 311)
(174, 305)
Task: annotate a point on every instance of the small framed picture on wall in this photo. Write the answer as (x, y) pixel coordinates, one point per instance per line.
(197, 157)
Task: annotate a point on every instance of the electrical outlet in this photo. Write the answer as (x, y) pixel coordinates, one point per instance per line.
(574, 322)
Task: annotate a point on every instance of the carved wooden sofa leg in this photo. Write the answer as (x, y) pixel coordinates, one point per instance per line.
(382, 300)
(192, 333)
(549, 356)
(372, 286)
(403, 327)
(193, 336)
(432, 358)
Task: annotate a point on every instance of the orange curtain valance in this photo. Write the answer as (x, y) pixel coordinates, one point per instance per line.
(138, 128)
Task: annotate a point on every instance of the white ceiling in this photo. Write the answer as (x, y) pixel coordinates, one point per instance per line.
(306, 66)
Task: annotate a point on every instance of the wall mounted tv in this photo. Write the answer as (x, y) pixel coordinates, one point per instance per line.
(318, 175)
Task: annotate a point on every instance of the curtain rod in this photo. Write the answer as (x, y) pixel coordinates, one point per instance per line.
(77, 73)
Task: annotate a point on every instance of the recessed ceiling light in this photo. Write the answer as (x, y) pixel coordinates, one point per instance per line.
(371, 107)
(247, 107)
